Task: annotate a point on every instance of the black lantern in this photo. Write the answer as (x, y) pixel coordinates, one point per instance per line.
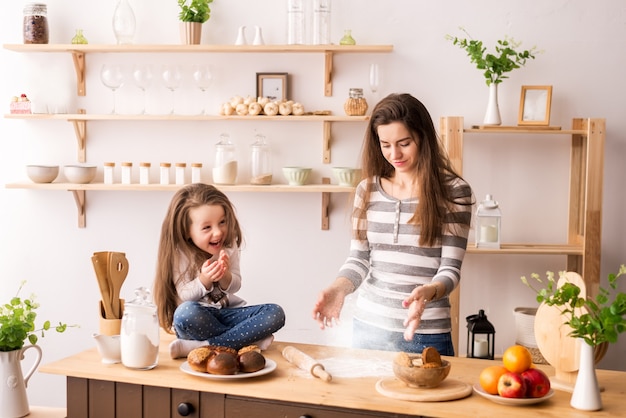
(480, 336)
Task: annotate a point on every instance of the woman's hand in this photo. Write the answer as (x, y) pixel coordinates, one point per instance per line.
(416, 302)
(330, 302)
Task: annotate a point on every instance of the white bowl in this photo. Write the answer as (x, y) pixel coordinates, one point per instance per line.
(296, 176)
(42, 173)
(80, 174)
(347, 176)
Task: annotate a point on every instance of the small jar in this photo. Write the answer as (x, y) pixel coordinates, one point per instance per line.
(196, 172)
(139, 334)
(261, 161)
(144, 173)
(225, 169)
(356, 105)
(108, 172)
(180, 173)
(127, 172)
(35, 23)
(165, 173)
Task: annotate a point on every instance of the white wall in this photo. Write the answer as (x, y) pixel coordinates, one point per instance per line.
(288, 258)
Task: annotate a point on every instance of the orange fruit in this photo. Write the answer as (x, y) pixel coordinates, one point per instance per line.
(489, 377)
(517, 359)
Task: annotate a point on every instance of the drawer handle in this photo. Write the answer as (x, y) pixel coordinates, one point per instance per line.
(184, 409)
(305, 416)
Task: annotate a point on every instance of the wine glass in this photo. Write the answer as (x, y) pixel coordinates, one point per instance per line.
(374, 77)
(142, 75)
(172, 77)
(113, 78)
(202, 77)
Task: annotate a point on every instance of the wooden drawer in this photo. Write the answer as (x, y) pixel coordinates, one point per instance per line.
(237, 407)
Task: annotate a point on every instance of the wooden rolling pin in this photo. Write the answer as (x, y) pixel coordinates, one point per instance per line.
(305, 362)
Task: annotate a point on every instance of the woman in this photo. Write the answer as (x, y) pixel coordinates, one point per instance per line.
(411, 220)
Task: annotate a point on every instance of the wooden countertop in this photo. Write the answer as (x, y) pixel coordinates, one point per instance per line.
(290, 384)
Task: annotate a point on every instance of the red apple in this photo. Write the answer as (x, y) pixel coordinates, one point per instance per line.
(537, 383)
(511, 385)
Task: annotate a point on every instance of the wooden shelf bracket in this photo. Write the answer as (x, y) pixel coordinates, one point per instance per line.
(79, 199)
(80, 129)
(79, 67)
(325, 206)
(328, 73)
(326, 143)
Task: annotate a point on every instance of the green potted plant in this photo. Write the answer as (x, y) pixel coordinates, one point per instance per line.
(17, 325)
(595, 320)
(193, 13)
(495, 66)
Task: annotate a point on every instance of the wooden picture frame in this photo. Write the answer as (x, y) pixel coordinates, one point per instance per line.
(272, 85)
(534, 107)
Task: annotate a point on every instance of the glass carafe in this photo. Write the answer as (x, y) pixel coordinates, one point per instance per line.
(139, 336)
(225, 168)
(261, 161)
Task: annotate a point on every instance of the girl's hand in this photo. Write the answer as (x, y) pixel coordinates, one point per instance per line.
(213, 271)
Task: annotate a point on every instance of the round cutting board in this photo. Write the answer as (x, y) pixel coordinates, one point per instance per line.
(448, 390)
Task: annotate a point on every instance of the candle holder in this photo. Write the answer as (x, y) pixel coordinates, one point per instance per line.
(480, 336)
(488, 220)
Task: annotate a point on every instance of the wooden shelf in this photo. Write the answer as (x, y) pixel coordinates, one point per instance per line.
(79, 192)
(582, 248)
(78, 53)
(79, 120)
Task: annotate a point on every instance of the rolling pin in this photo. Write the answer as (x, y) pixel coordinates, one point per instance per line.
(305, 362)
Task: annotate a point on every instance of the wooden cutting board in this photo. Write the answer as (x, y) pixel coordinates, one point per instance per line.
(448, 390)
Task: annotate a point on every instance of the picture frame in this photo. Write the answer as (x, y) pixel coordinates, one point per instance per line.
(272, 85)
(534, 108)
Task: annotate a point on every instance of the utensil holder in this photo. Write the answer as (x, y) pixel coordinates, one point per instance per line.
(110, 326)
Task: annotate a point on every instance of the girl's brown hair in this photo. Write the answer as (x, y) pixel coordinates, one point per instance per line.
(175, 244)
(434, 172)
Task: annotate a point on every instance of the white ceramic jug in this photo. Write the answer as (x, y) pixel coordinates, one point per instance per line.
(13, 399)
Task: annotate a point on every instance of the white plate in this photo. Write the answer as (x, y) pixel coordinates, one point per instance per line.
(511, 401)
(270, 366)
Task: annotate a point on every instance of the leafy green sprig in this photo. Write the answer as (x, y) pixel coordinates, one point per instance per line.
(596, 320)
(197, 11)
(495, 66)
(17, 323)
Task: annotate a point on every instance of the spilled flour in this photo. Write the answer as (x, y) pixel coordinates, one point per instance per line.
(351, 368)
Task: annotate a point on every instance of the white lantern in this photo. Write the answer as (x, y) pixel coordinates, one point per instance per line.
(488, 217)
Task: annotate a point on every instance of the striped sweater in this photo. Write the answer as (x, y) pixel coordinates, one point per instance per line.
(389, 264)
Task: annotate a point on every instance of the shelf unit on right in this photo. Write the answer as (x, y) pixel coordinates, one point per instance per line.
(582, 248)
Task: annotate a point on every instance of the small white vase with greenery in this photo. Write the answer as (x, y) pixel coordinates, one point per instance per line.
(495, 66)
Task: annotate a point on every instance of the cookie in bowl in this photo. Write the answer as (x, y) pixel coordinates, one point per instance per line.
(425, 370)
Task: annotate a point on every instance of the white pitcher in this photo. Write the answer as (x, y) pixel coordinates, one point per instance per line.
(13, 400)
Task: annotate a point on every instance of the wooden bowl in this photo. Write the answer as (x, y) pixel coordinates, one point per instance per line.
(417, 376)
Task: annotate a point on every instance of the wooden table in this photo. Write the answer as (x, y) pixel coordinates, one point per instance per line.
(97, 390)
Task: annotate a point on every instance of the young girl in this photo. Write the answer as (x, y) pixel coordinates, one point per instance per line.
(411, 221)
(198, 276)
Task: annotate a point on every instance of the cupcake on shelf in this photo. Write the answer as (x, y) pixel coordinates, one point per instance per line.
(20, 104)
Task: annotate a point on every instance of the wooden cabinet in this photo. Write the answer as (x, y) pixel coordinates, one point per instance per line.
(582, 248)
(81, 119)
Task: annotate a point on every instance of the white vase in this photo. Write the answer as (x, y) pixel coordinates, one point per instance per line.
(124, 23)
(586, 395)
(13, 399)
(492, 116)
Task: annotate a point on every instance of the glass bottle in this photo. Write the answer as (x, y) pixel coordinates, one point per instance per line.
(225, 168)
(295, 22)
(180, 173)
(321, 22)
(79, 38)
(144, 173)
(127, 169)
(139, 335)
(35, 23)
(347, 38)
(108, 172)
(356, 105)
(196, 172)
(124, 22)
(261, 161)
(165, 173)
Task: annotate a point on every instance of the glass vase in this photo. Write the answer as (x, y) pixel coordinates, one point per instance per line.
(124, 23)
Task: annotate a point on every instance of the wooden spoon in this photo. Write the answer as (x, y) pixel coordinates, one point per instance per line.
(100, 265)
(118, 270)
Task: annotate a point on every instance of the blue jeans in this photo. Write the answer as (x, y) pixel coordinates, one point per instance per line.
(367, 336)
(229, 327)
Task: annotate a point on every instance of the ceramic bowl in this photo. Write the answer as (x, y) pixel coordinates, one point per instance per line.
(80, 174)
(347, 176)
(42, 173)
(417, 376)
(296, 176)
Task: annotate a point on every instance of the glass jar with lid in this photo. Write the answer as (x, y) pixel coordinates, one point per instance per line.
(139, 335)
(261, 161)
(225, 168)
(35, 23)
(356, 105)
